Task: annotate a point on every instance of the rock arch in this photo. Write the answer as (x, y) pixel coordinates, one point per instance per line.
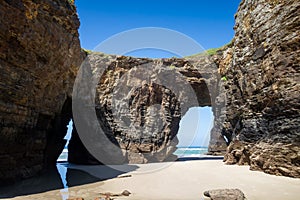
(152, 107)
(36, 85)
(262, 87)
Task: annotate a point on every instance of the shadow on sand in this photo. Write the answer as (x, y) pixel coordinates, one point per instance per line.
(68, 175)
(65, 175)
(200, 158)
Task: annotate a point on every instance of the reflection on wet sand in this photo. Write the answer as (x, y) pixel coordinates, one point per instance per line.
(63, 176)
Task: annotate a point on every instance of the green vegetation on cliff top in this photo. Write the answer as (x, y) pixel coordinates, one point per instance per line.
(87, 51)
(212, 51)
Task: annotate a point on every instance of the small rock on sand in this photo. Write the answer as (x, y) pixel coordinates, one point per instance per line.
(126, 193)
(225, 194)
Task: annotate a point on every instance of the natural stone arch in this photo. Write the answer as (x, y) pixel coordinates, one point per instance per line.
(158, 141)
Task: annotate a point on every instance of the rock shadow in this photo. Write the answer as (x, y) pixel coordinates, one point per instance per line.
(53, 179)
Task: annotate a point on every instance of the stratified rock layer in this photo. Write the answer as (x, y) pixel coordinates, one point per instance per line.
(139, 104)
(39, 59)
(257, 110)
(263, 81)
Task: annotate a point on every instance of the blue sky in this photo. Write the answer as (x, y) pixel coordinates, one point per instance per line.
(210, 23)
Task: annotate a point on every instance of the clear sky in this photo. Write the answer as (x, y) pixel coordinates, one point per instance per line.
(210, 23)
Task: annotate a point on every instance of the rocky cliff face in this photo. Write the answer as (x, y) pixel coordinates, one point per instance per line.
(139, 104)
(39, 58)
(263, 82)
(257, 110)
(40, 55)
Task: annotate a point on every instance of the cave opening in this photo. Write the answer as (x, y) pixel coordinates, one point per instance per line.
(194, 132)
(63, 157)
(55, 136)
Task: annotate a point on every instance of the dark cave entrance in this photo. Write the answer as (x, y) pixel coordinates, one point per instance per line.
(55, 137)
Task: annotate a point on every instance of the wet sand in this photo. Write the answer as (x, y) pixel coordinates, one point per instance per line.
(179, 180)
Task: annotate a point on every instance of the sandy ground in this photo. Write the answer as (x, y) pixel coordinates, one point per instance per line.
(181, 180)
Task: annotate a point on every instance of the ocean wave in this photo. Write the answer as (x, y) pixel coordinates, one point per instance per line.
(193, 148)
(190, 152)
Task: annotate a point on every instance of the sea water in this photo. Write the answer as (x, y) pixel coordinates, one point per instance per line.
(180, 152)
(190, 151)
(63, 157)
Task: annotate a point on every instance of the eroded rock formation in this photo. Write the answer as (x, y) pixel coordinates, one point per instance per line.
(139, 104)
(263, 84)
(39, 59)
(40, 56)
(257, 110)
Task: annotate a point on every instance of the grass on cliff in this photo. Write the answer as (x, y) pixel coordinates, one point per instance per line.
(212, 51)
(87, 51)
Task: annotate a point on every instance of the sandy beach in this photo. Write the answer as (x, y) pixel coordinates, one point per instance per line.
(179, 180)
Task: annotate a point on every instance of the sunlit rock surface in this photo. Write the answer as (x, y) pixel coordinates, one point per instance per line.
(263, 81)
(39, 59)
